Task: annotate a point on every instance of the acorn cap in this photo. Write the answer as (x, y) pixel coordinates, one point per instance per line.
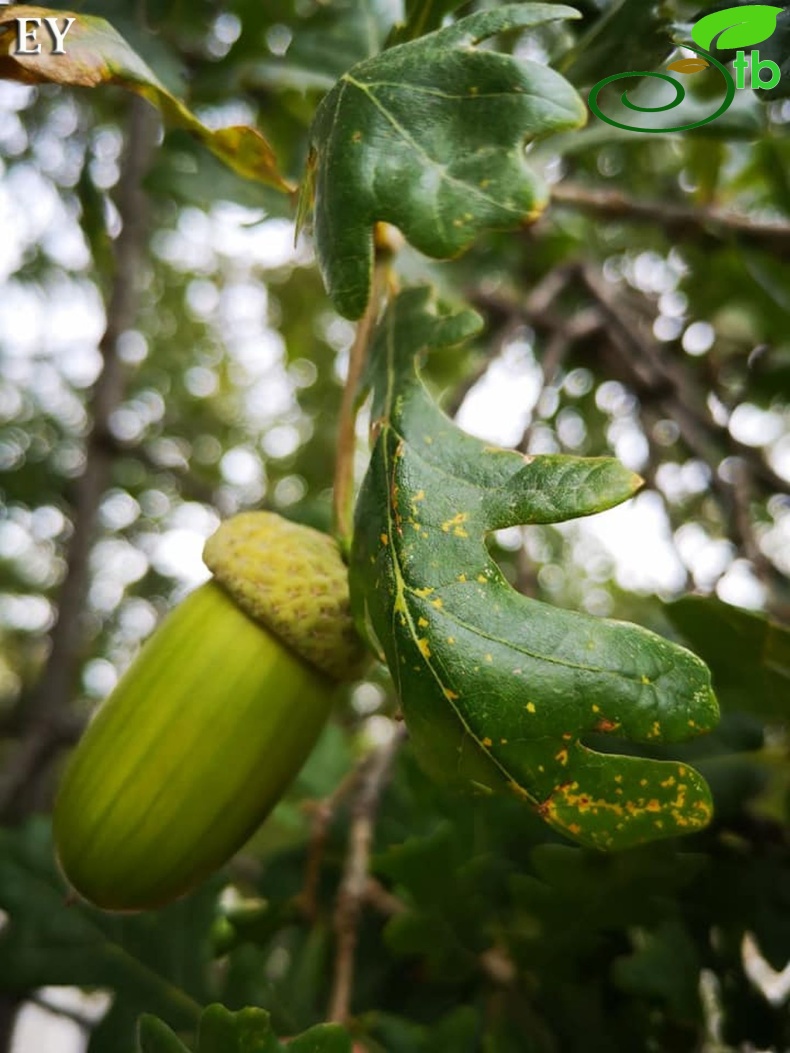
(293, 581)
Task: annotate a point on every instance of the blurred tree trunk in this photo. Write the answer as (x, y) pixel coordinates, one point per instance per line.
(45, 723)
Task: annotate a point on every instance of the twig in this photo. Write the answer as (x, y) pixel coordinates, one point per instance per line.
(382, 900)
(495, 963)
(62, 668)
(353, 887)
(680, 222)
(561, 339)
(343, 493)
(741, 490)
(323, 814)
(671, 390)
(507, 318)
(497, 345)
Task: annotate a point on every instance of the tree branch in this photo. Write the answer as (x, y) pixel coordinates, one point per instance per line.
(323, 813)
(62, 668)
(354, 885)
(679, 222)
(671, 389)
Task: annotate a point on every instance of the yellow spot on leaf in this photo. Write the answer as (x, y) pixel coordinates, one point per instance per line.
(562, 757)
(488, 743)
(530, 707)
(454, 524)
(424, 647)
(384, 539)
(423, 623)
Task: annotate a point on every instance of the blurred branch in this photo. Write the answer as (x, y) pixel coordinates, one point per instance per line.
(354, 884)
(505, 319)
(679, 222)
(669, 387)
(42, 714)
(323, 813)
(665, 387)
(495, 963)
(560, 340)
(668, 383)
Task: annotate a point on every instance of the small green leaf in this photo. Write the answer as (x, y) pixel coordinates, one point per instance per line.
(323, 1038)
(95, 54)
(664, 965)
(154, 1036)
(429, 136)
(736, 27)
(500, 691)
(247, 1031)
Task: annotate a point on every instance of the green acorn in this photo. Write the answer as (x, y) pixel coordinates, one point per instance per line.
(213, 720)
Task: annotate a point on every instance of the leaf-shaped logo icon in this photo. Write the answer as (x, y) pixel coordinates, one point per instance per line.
(737, 27)
(688, 65)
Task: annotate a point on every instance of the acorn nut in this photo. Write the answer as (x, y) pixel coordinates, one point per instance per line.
(212, 721)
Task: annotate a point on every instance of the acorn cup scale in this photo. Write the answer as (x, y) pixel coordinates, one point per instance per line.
(213, 720)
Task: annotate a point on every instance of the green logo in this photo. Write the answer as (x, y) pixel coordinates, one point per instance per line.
(735, 27)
